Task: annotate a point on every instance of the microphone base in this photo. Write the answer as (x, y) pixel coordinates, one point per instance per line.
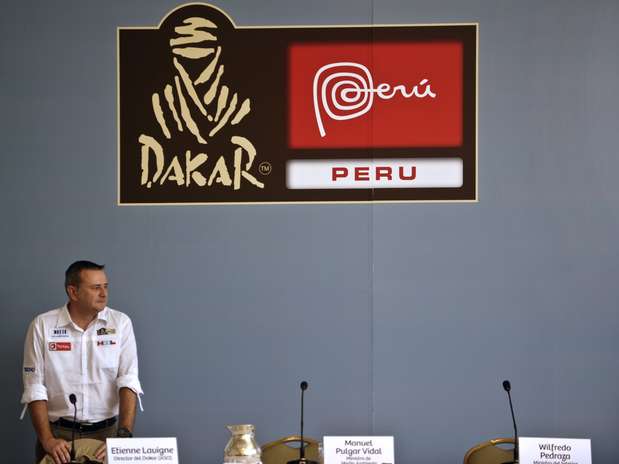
(515, 461)
(302, 461)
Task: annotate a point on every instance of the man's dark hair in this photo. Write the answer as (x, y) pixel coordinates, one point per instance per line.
(72, 274)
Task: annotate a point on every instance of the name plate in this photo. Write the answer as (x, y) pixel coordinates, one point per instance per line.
(151, 450)
(535, 450)
(358, 450)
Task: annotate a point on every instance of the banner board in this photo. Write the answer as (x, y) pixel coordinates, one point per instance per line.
(213, 113)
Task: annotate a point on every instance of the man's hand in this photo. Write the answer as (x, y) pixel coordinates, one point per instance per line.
(100, 453)
(58, 449)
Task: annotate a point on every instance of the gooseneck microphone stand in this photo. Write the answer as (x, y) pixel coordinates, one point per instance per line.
(507, 387)
(302, 459)
(73, 401)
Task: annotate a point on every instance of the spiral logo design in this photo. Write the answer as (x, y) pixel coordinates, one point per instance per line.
(342, 90)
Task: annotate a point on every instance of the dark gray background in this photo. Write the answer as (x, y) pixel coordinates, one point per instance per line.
(404, 318)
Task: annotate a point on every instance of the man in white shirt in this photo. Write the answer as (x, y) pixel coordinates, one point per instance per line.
(84, 349)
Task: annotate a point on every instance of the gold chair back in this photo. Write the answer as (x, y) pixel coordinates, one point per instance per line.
(490, 452)
(281, 451)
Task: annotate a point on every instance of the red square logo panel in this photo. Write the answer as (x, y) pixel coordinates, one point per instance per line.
(354, 95)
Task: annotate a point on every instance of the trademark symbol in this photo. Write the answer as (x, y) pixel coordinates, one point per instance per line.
(265, 168)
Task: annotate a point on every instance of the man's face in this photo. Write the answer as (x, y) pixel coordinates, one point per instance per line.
(91, 293)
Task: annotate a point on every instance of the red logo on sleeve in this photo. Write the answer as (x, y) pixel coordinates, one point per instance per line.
(60, 346)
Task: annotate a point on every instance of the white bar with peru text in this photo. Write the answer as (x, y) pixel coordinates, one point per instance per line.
(374, 173)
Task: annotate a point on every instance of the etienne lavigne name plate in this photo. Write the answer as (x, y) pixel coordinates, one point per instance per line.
(142, 450)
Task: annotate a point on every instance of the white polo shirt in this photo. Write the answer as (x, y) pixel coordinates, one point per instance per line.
(60, 358)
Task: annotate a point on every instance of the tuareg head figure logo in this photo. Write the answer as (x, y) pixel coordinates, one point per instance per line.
(198, 105)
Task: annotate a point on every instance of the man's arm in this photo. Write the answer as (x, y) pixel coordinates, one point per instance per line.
(57, 448)
(35, 393)
(126, 415)
(127, 407)
(127, 382)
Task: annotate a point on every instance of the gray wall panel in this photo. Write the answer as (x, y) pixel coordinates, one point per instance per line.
(410, 315)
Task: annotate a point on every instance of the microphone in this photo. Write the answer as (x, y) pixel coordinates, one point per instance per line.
(508, 387)
(73, 400)
(304, 385)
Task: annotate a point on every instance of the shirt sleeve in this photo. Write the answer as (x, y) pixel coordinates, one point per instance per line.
(128, 362)
(33, 369)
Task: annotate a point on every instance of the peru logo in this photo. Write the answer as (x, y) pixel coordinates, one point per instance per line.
(377, 98)
(352, 93)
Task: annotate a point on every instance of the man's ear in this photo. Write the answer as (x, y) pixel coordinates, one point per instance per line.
(72, 292)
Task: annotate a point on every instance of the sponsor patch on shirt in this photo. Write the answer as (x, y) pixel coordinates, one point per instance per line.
(106, 331)
(59, 333)
(105, 342)
(59, 346)
(28, 369)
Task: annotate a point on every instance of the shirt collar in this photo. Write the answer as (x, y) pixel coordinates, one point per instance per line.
(65, 318)
(104, 314)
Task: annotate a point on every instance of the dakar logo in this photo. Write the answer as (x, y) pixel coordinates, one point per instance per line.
(106, 331)
(347, 92)
(197, 104)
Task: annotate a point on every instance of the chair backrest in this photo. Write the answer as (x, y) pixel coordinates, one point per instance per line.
(490, 452)
(281, 451)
